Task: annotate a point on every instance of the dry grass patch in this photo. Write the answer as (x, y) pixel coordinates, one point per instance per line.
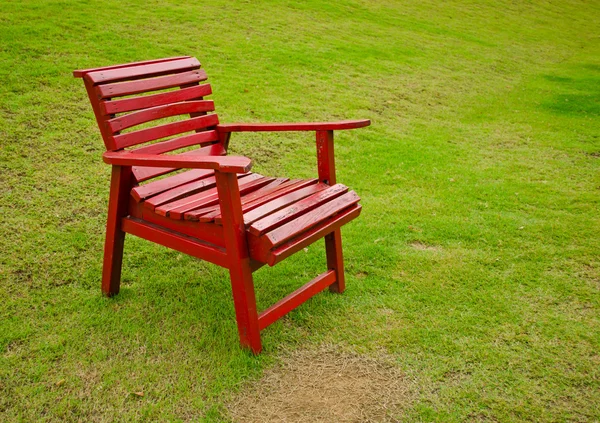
(325, 385)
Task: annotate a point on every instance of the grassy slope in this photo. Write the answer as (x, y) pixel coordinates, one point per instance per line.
(475, 261)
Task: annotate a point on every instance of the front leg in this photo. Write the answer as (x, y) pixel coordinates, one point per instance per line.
(238, 258)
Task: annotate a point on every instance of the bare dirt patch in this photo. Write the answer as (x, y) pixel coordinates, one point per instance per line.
(418, 245)
(325, 385)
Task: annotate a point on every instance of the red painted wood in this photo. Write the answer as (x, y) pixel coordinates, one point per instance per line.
(142, 71)
(308, 126)
(293, 211)
(295, 299)
(153, 100)
(210, 233)
(229, 164)
(107, 136)
(306, 221)
(159, 112)
(183, 191)
(176, 241)
(197, 214)
(180, 192)
(198, 138)
(143, 173)
(266, 197)
(335, 260)
(156, 187)
(278, 203)
(165, 130)
(325, 157)
(154, 84)
(272, 257)
(240, 271)
(120, 185)
(81, 72)
(175, 209)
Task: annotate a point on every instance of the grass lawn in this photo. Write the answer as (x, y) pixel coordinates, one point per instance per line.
(475, 263)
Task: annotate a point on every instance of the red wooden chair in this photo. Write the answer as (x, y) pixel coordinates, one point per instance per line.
(216, 210)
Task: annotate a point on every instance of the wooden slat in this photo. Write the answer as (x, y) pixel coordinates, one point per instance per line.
(307, 238)
(195, 212)
(249, 197)
(159, 112)
(291, 212)
(273, 194)
(302, 223)
(278, 203)
(142, 71)
(304, 126)
(197, 200)
(143, 192)
(177, 241)
(165, 130)
(182, 191)
(207, 212)
(295, 299)
(152, 84)
(179, 142)
(144, 173)
(143, 102)
(81, 72)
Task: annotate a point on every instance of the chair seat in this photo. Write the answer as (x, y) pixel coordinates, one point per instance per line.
(281, 215)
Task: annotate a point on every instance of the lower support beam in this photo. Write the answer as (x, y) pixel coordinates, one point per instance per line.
(176, 241)
(295, 299)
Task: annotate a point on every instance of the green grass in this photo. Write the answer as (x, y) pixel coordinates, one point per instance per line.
(475, 261)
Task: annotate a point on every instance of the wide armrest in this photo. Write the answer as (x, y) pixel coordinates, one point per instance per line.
(228, 164)
(309, 126)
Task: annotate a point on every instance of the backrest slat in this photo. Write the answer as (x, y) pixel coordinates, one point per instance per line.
(136, 118)
(144, 173)
(199, 138)
(153, 84)
(136, 103)
(125, 96)
(142, 71)
(165, 130)
(81, 72)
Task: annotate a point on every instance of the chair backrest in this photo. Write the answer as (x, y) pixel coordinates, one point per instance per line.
(128, 95)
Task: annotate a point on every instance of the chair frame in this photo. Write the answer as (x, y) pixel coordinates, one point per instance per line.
(233, 250)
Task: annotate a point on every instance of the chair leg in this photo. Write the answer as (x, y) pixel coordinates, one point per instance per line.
(120, 185)
(244, 300)
(335, 260)
(240, 269)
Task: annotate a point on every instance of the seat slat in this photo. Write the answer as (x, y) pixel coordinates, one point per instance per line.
(194, 210)
(142, 71)
(179, 142)
(290, 212)
(280, 191)
(183, 191)
(248, 197)
(142, 102)
(303, 222)
(165, 130)
(198, 200)
(284, 251)
(278, 203)
(180, 192)
(154, 84)
(136, 118)
(143, 192)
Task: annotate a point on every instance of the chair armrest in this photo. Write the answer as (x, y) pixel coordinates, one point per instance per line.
(309, 126)
(227, 164)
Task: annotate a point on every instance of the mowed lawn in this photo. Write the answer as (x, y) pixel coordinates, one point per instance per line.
(475, 263)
